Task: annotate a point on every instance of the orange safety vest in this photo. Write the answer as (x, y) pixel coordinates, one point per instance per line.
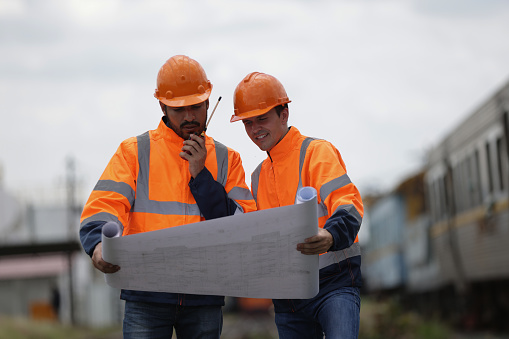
(145, 186)
(297, 161)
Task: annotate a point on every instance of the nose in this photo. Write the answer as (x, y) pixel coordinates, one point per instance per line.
(189, 114)
(255, 127)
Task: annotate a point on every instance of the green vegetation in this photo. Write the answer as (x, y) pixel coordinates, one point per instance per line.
(379, 320)
(17, 328)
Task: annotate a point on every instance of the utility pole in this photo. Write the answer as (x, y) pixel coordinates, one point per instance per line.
(71, 218)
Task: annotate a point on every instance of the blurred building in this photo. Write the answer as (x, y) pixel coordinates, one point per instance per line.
(44, 272)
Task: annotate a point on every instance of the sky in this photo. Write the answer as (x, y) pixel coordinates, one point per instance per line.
(382, 80)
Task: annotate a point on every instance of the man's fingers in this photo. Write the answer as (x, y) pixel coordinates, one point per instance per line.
(192, 146)
(105, 267)
(195, 142)
(316, 244)
(306, 248)
(186, 151)
(99, 262)
(199, 140)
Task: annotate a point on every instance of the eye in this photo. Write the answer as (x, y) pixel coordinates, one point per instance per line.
(198, 106)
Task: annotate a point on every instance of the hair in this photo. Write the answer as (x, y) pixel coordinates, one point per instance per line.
(280, 108)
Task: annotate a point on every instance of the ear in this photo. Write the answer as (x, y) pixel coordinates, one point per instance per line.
(285, 114)
(207, 103)
(163, 107)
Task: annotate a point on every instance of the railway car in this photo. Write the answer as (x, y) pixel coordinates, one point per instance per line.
(449, 226)
(383, 266)
(398, 244)
(467, 184)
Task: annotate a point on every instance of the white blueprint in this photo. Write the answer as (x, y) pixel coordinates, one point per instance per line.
(247, 255)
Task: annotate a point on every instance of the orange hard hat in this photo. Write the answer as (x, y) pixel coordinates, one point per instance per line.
(257, 94)
(181, 81)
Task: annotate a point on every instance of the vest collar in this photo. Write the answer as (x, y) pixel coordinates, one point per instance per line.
(285, 145)
(167, 133)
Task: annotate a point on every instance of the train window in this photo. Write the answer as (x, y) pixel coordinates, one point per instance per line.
(440, 198)
(455, 177)
(477, 170)
(467, 184)
(474, 179)
(433, 200)
(470, 182)
(444, 199)
(465, 187)
(438, 202)
(489, 168)
(500, 164)
(458, 184)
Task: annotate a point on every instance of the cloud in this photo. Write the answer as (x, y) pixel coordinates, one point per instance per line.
(380, 79)
(459, 8)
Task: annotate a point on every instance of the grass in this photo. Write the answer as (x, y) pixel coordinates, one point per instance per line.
(18, 328)
(379, 320)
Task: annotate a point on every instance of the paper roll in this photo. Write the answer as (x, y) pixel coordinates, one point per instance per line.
(305, 194)
(110, 231)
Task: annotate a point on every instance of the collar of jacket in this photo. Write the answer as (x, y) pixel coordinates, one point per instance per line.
(168, 134)
(286, 145)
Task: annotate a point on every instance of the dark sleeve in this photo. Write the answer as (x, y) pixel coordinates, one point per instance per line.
(211, 196)
(90, 235)
(344, 228)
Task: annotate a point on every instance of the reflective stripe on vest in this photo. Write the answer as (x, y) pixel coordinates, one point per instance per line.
(331, 257)
(102, 216)
(111, 186)
(334, 257)
(140, 201)
(236, 193)
(255, 177)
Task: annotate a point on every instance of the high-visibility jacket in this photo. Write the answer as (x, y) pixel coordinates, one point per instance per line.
(147, 186)
(297, 161)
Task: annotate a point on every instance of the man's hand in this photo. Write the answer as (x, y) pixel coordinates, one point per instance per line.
(99, 263)
(195, 152)
(317, 244)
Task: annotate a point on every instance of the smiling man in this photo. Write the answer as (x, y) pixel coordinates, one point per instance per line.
(163, 178)
(295, 161)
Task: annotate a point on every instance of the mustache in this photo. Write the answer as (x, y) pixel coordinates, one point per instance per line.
(189, 124)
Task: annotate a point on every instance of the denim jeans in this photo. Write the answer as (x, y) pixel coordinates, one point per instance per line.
(336, 314)
(153, 320)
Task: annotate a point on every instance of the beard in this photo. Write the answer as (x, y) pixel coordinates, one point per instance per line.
(180, 130)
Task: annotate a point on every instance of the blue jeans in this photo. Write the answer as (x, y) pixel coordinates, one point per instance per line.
(335, 314)
(153, 320)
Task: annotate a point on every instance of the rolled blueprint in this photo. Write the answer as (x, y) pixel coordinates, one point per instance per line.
(250, 255)
(110, 230)
(305, 194)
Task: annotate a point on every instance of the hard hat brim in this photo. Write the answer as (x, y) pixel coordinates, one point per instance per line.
(186, 100)
(255, 113)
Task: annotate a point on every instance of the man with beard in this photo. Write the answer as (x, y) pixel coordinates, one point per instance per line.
(171, 176)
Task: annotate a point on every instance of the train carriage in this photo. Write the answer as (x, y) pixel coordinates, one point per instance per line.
(454, 225)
